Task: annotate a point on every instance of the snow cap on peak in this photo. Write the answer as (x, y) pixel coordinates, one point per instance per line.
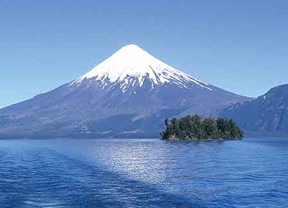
(130, 50)
(133, 62)
(130, 54)
(131, 46)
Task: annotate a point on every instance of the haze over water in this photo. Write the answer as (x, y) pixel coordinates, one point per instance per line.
(144, 172)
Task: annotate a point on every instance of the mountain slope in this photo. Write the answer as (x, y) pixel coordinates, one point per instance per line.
(129, 94)
(266, 114)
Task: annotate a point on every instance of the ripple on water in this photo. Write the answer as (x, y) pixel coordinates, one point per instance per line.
(129, 173)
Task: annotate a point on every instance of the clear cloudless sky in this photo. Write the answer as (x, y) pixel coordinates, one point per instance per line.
(241, 46)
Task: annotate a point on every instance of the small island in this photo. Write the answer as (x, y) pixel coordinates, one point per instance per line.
(197, 128)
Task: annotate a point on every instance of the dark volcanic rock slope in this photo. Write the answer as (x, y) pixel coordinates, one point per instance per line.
(129, 94)
(266, 114)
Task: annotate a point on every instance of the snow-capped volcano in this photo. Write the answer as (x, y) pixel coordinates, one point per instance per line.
(132, 62)
(129, 94)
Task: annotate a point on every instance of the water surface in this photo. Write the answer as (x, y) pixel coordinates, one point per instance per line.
(143, 172)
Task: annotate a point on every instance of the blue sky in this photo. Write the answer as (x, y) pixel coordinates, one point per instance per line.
(241, 46)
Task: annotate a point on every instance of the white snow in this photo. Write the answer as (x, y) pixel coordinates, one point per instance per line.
(130, 62)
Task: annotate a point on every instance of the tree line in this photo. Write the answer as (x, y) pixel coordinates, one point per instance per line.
(195, 127)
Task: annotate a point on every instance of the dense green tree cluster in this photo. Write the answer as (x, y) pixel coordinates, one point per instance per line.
(194, 127)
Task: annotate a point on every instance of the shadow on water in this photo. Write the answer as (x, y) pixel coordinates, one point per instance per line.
(57, 180)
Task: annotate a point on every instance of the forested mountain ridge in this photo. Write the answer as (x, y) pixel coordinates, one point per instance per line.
(268, 114)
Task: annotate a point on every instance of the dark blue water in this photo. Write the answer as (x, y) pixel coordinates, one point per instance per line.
(143, 173)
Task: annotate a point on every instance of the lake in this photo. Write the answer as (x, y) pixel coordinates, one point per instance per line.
(144, 173)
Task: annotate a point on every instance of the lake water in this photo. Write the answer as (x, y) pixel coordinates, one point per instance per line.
(143, 173)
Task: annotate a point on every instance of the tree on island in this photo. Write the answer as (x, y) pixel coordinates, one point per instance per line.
(194, 127)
